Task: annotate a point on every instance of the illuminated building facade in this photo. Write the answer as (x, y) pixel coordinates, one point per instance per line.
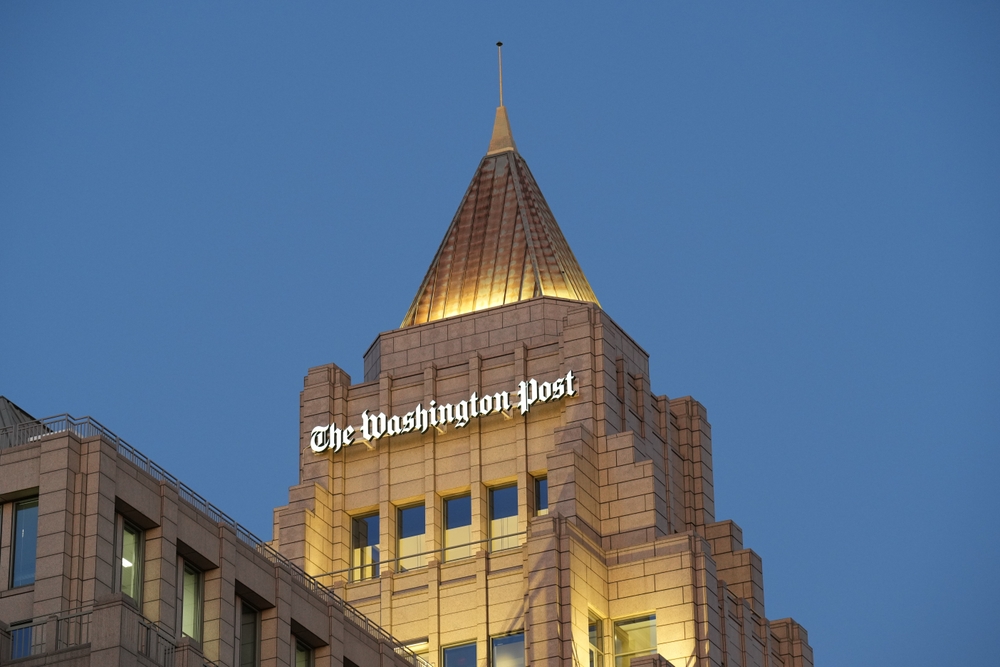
(504, 488)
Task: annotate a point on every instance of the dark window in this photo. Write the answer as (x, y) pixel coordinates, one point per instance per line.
(364, 547)
(303, 654)
(457, 527)
(249, 642)
(541, 496)
(503, 517)
(411, 538)
(460, 656)
(25, 542)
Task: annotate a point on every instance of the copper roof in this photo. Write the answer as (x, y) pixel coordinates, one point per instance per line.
(503, 245)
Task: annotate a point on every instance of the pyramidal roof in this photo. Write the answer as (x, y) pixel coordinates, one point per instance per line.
(503, 245)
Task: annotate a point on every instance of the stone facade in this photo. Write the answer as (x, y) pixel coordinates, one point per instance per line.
(630, 528)
(88, 484)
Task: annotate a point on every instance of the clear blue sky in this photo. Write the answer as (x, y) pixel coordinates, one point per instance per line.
(793, 206)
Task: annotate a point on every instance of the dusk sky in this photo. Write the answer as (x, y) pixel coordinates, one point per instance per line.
(794, 207)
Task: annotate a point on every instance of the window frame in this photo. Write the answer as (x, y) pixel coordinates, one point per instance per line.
(461, 549)
(445, 649)
(17, 505)
(365, 560)
(199, 606)
(418, 559)
(507, 539)
(242, 609)
(299, 645)
(628, 655)
(122, 526)
(493, 647)
(540, 481)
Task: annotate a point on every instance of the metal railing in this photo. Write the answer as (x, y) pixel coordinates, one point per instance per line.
(88, 427)
(28, 639)
(32, 637)
(376, 566)
(73, 629)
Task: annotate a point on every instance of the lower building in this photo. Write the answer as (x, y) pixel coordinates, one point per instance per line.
(113, 561)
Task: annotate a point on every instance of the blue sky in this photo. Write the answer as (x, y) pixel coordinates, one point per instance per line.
(793, 207)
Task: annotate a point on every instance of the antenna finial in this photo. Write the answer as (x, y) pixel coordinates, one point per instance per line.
(500, 64)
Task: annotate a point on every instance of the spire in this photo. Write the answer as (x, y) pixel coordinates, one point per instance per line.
(503, 245)
(502, 139)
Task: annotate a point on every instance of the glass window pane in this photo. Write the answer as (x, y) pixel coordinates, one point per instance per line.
(460, 656)
(458, 527)
(25, 542)
(364, 547)
(411, 538)
(542, 496)
(634, 637)
(508, 651)
(131, 562)
(595, 630)
(248, 636)
(303, 655)
(191, 603)
(503, 517)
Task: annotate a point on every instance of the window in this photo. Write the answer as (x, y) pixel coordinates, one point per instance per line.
(249, 641)
(457, 527)
(508, 651)
(303, 654)
(411, 538)
(191, 598)
(364, 547)
(595, 629)
(634, 637)
(503, 517)
(25, 542)
(541, 496)
(130, 574)
(463, 655)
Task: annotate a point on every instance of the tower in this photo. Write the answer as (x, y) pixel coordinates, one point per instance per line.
(504, 488)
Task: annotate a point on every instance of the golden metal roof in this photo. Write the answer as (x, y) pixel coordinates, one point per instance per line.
(503, 245)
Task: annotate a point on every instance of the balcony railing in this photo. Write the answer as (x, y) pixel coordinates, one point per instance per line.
(44, 635)
(88, 427)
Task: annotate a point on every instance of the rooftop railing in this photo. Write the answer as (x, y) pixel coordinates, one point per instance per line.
(88, 427)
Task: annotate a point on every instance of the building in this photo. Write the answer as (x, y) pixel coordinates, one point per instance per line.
(109, 560)
(503, 488)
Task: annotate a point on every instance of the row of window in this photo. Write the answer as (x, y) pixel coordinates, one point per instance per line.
(411, 529)
(633, 637)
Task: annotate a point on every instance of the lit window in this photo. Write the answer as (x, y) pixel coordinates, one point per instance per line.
(249, 641)
(541, 496)
(191, 603)
(411, 538)
(364, 547)
(457, 527)
(595, 629)
(508, 651)
(634, 637)
(503, 518)
(25, 542)
(131, 561)
(303, 654)
(463, 655)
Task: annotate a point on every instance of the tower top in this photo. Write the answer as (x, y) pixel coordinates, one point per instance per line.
(502, 139)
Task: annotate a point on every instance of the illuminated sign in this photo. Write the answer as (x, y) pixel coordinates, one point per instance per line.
(375, 426)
